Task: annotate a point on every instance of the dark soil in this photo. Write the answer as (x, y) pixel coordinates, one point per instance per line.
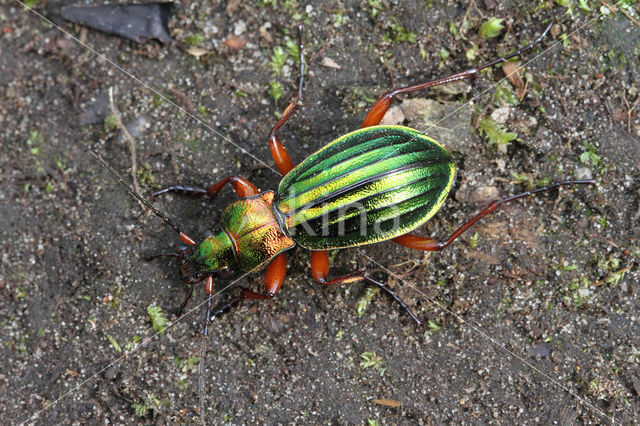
(535, 320)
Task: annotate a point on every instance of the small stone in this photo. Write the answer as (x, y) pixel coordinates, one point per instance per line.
(239, 28)
(393, 116)
(459, 87)
(539, 350)
(501, 115)
(484, 194)
(447, 122)
(583, 173)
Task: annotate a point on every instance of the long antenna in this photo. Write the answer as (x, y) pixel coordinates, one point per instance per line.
(166, 219)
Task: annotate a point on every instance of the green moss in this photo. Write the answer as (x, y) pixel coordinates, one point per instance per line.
(114, 343)
(364, 301)
(276, 91)
(371, 360)
(491, 28)
(158, 318)
(496, 133)
(398, 33)
(194, 39)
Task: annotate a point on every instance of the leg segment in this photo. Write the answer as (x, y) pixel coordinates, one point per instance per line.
(278, 151)
(382, 105)
(429, 244)
(241, 186)
(274, 276)
(178, 311)
(150, 257)
(320, 271)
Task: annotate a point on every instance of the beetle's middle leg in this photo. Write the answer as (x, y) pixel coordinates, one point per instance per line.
(375, 114)
(320, 271)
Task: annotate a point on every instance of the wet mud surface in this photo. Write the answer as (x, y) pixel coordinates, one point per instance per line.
(530, 317)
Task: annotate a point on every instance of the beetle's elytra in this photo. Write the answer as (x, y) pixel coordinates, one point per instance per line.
(370, 185)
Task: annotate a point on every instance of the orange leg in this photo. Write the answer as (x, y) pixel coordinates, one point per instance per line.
(273, 278)
(429, 244)
(274, 275)
(241, 186)
(320, 271)
(382, 105)
(278, 151)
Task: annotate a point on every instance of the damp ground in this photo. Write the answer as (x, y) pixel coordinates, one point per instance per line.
(530, 317)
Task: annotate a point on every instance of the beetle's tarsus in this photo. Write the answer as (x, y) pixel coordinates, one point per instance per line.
(393, 294)
(378, 110)
(178, 311)
(181, 189)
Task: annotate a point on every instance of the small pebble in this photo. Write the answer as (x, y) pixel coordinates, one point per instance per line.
(583, 173)
(539, 350)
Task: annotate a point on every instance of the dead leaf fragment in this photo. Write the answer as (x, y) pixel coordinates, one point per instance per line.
(234, 42)
(387, 402)
(329, 63)
(136, 22)
(513, 75)
(197, 52)
(265, 33)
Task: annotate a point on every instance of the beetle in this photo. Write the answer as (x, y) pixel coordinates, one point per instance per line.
(377, 183)
(374, 184)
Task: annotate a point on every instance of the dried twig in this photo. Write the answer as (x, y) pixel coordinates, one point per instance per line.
(132, 142)
(631, 18)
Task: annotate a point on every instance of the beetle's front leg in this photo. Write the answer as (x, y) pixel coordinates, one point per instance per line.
(241, 186)
(320, 272)
(273, 279)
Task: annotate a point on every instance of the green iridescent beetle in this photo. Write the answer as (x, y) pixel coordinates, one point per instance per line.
(374, 184)
(370, 185)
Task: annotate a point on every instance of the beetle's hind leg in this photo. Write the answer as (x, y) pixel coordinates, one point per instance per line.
(384, 102)
(320, 271)
(429, 244)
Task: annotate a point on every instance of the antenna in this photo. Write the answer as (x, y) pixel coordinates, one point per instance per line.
(166, 219)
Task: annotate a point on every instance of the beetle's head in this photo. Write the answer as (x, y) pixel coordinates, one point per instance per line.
(213, 254)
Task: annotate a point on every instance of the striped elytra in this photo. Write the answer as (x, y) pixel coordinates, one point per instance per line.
(367, 186)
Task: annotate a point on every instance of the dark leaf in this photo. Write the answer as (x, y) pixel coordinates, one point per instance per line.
(137, 22)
